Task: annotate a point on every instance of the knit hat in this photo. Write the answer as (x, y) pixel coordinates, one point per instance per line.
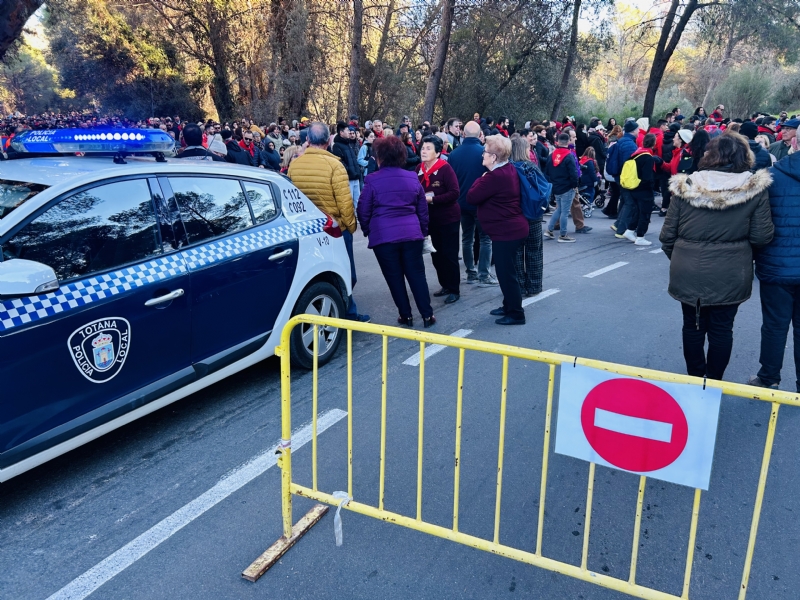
(217, 145)
(749, 130)
(631, 126)
(644, 123)
(686, 135)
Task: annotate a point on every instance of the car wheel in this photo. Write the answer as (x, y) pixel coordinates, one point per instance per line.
(321, 299)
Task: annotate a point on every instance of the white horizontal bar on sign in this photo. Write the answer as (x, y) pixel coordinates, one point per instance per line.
(434, 348)
(616, 265)
(540, 296)
(635, 426)
(108, 568)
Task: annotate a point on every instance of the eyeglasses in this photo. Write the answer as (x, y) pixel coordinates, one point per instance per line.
(248, 139)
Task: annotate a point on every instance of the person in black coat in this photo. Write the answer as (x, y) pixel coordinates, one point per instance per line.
(763, 160)
(236, 154)
(269, 158)
(597, 142)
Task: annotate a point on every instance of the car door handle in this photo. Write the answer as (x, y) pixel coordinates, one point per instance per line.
(165, 298)
(280, 255)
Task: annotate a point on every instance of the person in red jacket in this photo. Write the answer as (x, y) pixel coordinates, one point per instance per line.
(658, 130)
(718, 113)
(246, 142)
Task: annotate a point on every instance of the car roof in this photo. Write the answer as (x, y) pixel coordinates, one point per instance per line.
(55, 170)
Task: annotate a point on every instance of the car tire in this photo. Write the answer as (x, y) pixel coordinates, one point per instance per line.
(324, 299)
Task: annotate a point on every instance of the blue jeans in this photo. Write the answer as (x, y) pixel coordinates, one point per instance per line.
(780, 307)
(561, 213)
(628, 212)
(352, 309)
(469, 222)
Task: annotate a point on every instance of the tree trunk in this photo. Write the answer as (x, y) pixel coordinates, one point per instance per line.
(373, 85)
(667, 43)
(221, 89)
(571, 52)
(355, 57)
(432, 89)
(716, 74)
(13, 16)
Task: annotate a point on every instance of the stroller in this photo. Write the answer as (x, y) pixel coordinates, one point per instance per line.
(584, 197)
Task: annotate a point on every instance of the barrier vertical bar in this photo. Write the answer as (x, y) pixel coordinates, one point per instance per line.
(687, 576)
(637, 527)
(587, 525)
(421, 427)
(314, 397)
(762, 482)
(545, 455)
(350, 412)
(285, 458)
(383, 419)
(457, 472)
(503, 393)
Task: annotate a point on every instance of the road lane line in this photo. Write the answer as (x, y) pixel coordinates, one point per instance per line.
(656, 251)
(434, 348)
(616, 265)
(108, 568)
(540, 296)
(636, 426)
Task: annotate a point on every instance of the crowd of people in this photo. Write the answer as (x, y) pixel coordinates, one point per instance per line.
(728, 190)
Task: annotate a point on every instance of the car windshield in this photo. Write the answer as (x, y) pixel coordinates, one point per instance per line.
(14, 193)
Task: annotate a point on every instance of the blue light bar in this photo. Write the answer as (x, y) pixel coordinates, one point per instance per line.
(57, 141)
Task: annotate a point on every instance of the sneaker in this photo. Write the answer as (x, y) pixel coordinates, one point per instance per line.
(359, 318)
(565, 239)
(629, 235)
(584, 229)
(640, 241)
(487, 282)
(472, 278)
(619, 236)
(613, 227)
(549, 234)
(451, 298)
(758, 382)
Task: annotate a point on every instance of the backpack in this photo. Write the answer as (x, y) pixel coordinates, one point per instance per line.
(629, 178)
(685, 163)
(534, 191)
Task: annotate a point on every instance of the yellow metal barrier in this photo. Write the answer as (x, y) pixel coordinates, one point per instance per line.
(292, 532)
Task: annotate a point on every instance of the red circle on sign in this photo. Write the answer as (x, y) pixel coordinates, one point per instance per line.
(625, 437)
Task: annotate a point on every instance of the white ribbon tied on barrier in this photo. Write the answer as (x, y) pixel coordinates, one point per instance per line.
(337, 518)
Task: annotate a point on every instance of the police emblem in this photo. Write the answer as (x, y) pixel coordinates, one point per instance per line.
(99, 348)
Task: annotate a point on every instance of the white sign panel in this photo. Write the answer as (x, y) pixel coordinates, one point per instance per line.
(662, 430)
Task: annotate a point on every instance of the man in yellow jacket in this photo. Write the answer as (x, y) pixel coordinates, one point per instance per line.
(322, 177)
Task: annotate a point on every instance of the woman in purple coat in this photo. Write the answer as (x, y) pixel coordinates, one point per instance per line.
(393, 213)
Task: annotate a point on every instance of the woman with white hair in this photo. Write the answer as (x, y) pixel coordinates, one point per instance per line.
(497, 196)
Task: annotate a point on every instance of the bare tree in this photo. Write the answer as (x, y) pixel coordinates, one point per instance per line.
(355, 57)
(432, 89)
(572, 51)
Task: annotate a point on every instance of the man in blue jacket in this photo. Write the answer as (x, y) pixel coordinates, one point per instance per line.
(619, 153)
(467, 162)
(778, 270)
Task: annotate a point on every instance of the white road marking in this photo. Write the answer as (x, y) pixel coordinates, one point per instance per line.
(108, 568)
(540, 296)
(616, 265)
(655, 251)
(434, 348)
(643, 428)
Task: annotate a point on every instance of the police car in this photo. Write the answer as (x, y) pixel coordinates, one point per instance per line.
(129, 282)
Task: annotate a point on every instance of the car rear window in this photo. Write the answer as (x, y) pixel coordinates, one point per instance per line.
(16, 193)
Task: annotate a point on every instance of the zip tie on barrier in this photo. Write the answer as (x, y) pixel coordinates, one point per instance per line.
(285, 444)
(337, 518)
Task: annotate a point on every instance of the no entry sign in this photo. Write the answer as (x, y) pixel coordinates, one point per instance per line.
(662, 430)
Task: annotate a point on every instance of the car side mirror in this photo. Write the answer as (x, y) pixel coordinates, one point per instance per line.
(19, 277)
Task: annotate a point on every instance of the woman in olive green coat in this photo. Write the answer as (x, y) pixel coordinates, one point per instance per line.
(716, 217)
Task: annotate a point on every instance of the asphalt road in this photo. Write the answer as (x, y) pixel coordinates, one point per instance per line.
(177, 504)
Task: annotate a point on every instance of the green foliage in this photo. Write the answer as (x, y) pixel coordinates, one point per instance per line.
(746, 90)
(27, 83)
(111, 64)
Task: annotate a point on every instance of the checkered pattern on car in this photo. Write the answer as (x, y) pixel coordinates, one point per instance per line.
(248, 241)
(20, 311)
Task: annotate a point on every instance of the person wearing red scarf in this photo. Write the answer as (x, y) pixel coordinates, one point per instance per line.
(440, 183)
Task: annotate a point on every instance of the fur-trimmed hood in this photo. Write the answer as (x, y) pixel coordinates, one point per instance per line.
(718, 190)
